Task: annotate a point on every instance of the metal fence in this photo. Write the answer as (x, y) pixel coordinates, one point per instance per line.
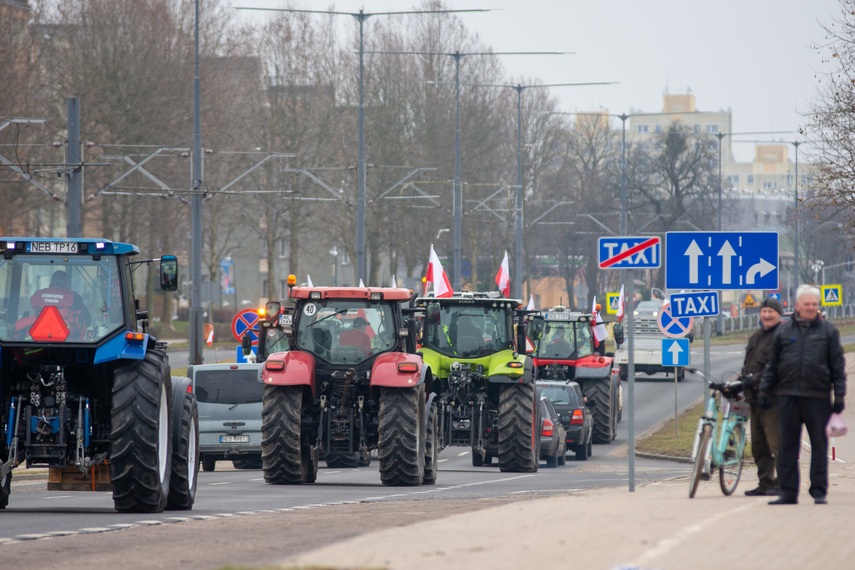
(752, 322)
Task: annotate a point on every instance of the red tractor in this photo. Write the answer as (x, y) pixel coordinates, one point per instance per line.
(565, 351)
(348, 383)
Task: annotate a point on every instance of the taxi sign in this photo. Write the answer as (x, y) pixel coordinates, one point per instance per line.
(832, 295)
(625, 252)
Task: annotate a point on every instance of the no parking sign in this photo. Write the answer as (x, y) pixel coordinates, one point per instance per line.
(245, 320)
(674, 327)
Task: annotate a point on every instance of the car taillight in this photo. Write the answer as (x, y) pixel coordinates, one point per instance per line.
(548, 427)
(577, 418)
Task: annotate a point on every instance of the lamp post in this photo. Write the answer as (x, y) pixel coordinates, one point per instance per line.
(518, 256)
(196, 331)
(360, 17)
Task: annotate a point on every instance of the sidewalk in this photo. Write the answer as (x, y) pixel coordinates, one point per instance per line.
(657, 526)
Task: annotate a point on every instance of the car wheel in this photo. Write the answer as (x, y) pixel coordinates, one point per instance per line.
(208, 463)
(582, 452)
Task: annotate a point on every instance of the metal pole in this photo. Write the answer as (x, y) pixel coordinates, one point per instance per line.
(719, 318)
(458, 191)
(796, 243)
(630, 374)
(196, 330)
(73, 228)
(623, 219)
(360, 167)
(519, 248)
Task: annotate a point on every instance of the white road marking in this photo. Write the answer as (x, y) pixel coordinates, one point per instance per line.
(463, 454)
(56, 497)
(220, 483)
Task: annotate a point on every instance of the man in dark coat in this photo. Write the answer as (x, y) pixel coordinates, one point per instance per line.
(806, 366)
(764, 422)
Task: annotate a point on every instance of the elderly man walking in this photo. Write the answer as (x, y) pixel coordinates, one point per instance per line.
(806, 366)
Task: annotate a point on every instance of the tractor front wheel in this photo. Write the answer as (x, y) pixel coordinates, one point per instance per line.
(518, 450)
(402, 436)
(185, 462)
(283, 460)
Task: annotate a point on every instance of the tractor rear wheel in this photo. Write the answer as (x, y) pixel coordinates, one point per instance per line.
(283, 460)
(599, 391)
(402, 436)
(518, 450)
(5, 490)
(185, 463)
(431, 448)
(141, 434)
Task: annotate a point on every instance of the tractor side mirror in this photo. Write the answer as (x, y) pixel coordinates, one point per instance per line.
(169, 273)
(433, 313)
(246, 344)
(617, 332)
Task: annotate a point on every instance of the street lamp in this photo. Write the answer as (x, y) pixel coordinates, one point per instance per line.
(458, 190)
(519, 205)
(360, 17)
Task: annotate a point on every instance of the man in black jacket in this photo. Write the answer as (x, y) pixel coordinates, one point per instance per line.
(764, 422)
(806, 366)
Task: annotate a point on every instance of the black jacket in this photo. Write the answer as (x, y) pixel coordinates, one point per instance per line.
(806, 360)
(757, 358)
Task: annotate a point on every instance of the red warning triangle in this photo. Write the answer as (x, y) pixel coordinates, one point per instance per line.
(49, 326)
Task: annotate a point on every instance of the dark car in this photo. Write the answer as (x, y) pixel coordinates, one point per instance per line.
(553, 446)
(575, 414)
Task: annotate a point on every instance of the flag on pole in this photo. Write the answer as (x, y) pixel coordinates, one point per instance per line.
(530, 303)
(309, 280)
(503, 277)
(394, 282)
(600, 332)
(436, 275)
(621, 302)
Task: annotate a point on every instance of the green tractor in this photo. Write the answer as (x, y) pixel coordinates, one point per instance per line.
(483, 385)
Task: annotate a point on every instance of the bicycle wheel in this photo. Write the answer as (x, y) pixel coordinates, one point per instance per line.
(731, 461)
(700, 459)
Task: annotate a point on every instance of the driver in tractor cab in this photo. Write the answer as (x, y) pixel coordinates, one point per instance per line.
(463, 336)
(69, 304)
(559, 345)
(357, 336)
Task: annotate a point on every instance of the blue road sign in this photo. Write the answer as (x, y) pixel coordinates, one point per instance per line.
(704, 304)
(721, 260)
(240, 356)
(675, 352)
(672, 326)
(630, 252)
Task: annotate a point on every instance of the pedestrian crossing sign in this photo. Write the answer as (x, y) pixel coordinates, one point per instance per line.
(613, 302)
(832, 295)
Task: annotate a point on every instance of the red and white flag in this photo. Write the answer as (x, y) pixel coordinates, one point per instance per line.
(503, 277)
(600, 332)
(530, 303)
(621, 302)
(210, 340)
(436, 275)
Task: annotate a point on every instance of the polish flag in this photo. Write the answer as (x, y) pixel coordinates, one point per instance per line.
(621, 301)
(309, 280)
(600, 332)
(503, 277)
(394, 282)
(436, 275)
(530, 303)
(210, 340)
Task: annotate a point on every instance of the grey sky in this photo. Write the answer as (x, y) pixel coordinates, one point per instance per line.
(752, 56)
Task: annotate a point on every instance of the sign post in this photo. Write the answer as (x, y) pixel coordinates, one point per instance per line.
(629, 253)
(675, 352)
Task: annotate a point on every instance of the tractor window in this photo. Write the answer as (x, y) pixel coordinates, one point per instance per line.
(60, 299)
(565, 340)
(343, 331)
(467, 331)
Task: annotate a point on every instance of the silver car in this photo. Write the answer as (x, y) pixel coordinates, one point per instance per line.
(229, 397)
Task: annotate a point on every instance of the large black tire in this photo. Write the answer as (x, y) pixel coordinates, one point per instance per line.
(209, 463)
(141, 434)
(402, 435)
(478, 457)
(431, 447)
(582, 451)
(599, 390)
(518, 450)
(185, 463)
(284, 460)
(249, 462)
(5, 490)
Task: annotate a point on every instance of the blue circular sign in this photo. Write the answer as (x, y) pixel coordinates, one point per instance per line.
(674, 327)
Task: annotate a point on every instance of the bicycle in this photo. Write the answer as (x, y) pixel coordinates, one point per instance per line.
(725, 452)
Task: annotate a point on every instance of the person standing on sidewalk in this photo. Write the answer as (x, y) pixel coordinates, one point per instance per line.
(806, 366)
(764, 421)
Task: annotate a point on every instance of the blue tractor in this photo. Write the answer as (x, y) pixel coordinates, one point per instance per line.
(84, 390)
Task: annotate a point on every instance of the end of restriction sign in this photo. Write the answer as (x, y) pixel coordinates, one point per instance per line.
(630, 252)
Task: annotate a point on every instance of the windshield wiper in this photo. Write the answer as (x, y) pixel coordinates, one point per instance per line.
(250, 401)
(339, 312)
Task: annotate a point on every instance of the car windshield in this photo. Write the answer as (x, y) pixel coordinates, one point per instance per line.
(560, 395)
(228, 386)
(468, 331)
(567, 340)
(647, 307)
(46, 298)
(344, 331)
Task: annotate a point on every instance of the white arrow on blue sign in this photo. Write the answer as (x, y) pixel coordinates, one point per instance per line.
(630, 252)
(721, 260)
(704, 304)
(675, 352)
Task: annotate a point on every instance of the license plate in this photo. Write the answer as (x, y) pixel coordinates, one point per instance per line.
(51, 247)
(234, 439)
